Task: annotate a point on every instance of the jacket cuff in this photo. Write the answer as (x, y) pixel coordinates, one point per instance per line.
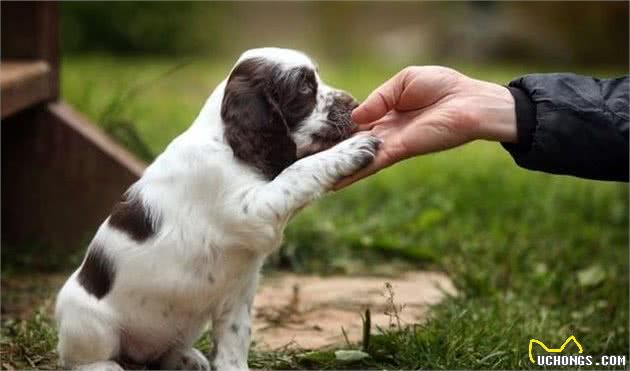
(525, 122)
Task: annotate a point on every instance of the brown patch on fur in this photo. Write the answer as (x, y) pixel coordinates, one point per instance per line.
(131, 217)
(97, 272)
(262, 104)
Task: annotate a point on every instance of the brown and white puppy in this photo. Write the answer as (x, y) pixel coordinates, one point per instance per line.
(185, 245)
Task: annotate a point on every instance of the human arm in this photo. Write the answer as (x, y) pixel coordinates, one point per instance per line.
(572, 124)
(558, 123)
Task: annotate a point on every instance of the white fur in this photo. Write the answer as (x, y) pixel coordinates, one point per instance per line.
(218, 220)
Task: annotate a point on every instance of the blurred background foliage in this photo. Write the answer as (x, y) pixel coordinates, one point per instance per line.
(576, 33)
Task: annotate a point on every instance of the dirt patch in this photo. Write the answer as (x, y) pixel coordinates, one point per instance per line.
(310, 311)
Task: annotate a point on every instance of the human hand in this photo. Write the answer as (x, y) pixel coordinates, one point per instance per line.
(429, 109)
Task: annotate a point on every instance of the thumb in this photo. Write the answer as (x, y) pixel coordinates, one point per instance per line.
(380, 101)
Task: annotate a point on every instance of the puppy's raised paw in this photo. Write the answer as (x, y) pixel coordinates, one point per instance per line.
(357, 152)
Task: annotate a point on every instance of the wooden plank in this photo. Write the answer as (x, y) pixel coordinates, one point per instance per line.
(61, 176)
(29, 31)
(97, 137)
(23, 84)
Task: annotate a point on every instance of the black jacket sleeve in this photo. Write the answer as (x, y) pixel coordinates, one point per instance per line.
(571, 124)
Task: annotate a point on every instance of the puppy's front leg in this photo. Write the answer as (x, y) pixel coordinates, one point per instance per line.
(310, 177)
(231, 333)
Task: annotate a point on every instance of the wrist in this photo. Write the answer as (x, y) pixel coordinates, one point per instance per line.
(496, 116)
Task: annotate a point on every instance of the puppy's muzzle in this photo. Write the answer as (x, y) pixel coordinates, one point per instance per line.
(339, 124)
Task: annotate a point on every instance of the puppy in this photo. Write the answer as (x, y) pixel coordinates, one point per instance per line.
(185, 244)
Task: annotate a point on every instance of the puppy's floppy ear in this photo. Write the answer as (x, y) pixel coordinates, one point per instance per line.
(254, 124)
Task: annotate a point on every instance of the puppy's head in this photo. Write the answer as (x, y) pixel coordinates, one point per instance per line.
(276, 110)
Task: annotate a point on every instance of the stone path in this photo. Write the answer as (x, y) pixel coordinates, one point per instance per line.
(310, 311)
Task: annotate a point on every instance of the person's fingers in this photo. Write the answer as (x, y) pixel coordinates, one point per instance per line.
(380, 101)
(390, 119)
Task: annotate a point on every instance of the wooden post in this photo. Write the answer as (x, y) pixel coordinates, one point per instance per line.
(30, 33)
(60, 173)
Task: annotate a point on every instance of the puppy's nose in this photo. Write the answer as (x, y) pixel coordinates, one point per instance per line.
(347, 101)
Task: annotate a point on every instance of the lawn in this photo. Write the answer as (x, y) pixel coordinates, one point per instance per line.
(532, 255)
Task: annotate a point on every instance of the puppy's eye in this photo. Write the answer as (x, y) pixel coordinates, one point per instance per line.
(305, 89)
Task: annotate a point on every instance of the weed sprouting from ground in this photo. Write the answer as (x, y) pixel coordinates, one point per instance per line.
(367, 329)
(113, 120)
(290, 313)
(393, 310)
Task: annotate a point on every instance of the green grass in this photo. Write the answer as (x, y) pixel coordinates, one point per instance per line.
(533, 255)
